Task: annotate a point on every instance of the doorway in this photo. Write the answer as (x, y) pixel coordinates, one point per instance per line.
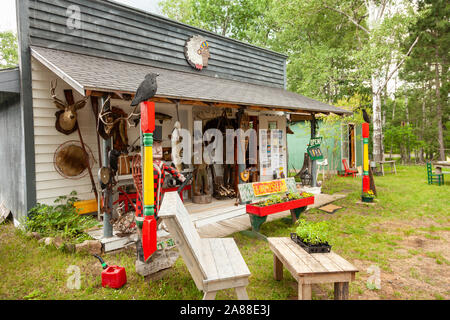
(349, 144)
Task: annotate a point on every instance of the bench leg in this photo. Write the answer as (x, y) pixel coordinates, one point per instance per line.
(277, 268)
(210, 295)
(341, 291)
(304, 291)
(241, 293)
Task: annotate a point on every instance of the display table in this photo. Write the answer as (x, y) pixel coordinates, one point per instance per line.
(311, 268)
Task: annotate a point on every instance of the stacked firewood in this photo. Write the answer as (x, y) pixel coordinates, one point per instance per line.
(221, 192)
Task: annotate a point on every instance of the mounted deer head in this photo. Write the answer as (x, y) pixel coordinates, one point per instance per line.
(66, 118)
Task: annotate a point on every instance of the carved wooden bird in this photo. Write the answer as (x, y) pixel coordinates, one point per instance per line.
(365, 116)
(146, 89)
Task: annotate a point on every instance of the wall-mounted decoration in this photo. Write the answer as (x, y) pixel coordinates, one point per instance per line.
(66, 117)
(196, 51)
(71, 161)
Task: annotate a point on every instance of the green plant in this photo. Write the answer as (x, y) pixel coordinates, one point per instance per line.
(368, 194)
(313, 232)
(274, 199)
(61, 219)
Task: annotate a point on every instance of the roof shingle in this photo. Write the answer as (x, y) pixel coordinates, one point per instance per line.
(86, 72)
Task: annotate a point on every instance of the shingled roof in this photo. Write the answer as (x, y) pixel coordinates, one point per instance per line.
(84, 72)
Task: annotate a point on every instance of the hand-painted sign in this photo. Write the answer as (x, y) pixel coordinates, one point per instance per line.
(196, 51)
(315, 141)
(268, 187)
(313, 148)
(247, 192)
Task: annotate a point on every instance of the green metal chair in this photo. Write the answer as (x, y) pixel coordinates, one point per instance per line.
(434, 177)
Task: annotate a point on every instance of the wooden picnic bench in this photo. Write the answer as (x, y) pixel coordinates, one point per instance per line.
(257, 191)
(391, 162)
(214, 263)
(311, 268)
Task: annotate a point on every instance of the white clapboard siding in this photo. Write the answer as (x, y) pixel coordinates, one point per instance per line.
(49, 184)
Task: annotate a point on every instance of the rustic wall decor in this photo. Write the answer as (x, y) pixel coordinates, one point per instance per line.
(196, 51)
(66, 117)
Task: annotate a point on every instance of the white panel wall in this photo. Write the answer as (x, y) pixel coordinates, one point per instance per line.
(49, 184)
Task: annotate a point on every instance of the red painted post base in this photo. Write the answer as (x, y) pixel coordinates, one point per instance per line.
(149, 236)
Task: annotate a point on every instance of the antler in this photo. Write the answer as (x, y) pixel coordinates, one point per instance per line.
(58, 103)
(111, 124)
(80, 104)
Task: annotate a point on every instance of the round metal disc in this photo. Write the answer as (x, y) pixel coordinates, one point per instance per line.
(104, 175)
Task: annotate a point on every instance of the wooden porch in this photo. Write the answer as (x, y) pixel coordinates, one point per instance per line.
(217, 219)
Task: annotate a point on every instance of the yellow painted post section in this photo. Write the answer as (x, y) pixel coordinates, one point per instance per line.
(366, 157)
(148, 177)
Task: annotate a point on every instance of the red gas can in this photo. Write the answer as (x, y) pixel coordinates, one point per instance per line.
(114, 277)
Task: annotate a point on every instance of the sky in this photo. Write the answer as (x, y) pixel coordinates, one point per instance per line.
(8, 11)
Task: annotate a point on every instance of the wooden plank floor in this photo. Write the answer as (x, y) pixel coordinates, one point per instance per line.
(221, 219)
(217, 219)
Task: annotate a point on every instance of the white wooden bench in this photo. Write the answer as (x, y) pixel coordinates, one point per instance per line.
(214, 263)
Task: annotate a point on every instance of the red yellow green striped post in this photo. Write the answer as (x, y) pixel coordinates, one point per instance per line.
(365, 134)
(149, 224)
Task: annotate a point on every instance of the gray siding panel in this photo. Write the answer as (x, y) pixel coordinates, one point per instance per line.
(12, 180)
(9, 81)
(112, 31)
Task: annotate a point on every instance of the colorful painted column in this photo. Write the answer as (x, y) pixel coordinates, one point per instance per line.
(365, 135)
(149, 224)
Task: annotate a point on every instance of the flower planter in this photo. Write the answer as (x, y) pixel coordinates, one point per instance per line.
(366, 199)
(278, 207)
(311, 248)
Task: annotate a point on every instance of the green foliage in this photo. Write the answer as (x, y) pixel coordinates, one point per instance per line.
(239, 19)
(9, 55)
(313, 232)
(278, 198)
(61, 219)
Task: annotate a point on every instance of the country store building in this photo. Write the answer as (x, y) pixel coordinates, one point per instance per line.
(100, 49)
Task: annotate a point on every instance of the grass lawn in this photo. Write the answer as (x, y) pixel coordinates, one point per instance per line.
(405, 235)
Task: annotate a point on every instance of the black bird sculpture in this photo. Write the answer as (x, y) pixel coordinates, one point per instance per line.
(146, 89)
(365, 116)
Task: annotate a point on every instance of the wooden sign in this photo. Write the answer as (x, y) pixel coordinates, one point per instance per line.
(268, 187)
(247, 193)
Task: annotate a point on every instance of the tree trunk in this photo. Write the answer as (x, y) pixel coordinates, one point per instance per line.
(376, 116)
(422, 131)
(439, 110)
(408, 147)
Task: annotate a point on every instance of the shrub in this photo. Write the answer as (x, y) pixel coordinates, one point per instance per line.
(61, 219)
(313, 232)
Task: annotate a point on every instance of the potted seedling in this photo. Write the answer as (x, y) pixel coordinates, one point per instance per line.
(313, 237)
(367, 196)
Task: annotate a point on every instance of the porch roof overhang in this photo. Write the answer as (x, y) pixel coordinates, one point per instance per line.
(88, 74)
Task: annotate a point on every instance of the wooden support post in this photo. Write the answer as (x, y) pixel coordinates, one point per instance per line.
(341, 291)
(314, 162)
(241, 293)
(304, 291)
(107, 193)
(277, 268)
(210, 295)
